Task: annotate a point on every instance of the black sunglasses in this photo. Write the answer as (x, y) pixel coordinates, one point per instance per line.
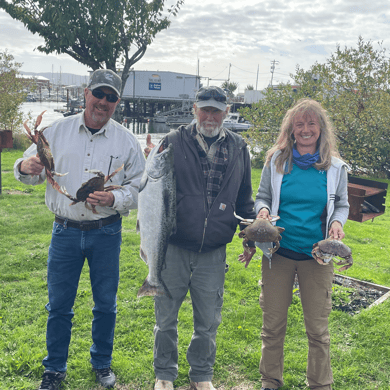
(207, 94)
(99, 94)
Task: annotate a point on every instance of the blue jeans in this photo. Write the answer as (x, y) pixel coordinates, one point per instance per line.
(203, 274)
(67, 252)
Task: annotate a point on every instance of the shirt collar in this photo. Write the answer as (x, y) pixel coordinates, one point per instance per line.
(83, 126)
(200, 138)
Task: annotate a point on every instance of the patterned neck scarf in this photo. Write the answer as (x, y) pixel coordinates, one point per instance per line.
(305, 161)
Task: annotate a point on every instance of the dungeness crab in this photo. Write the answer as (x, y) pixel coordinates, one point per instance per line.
(44, 152)
(324, 251)
(95, 184)
(261, 230)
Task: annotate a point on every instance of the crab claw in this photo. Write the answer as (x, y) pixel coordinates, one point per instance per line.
(39, 119)
(316, 256)
(320, 261)
(346, 262)
(32, 137)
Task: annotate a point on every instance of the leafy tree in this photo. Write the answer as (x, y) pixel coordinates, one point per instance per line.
(249, 87)
(353, 85)
(230, 87)
(11, 92)
(96, 33)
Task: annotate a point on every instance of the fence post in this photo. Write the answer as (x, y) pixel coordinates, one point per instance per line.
(5, 142)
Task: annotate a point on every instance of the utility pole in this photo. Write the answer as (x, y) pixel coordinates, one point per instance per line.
(197, 79)
(229, 73)
(274, 62)
(257, 77)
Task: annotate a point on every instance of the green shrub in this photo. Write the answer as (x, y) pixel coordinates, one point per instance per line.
(20, 141)
(258, 159)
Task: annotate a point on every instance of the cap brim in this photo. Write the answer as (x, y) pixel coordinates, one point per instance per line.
(211, 103)
(94, 86)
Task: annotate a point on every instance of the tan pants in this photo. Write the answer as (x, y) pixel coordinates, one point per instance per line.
(315, 285)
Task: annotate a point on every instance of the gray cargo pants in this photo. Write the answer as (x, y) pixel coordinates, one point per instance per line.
(204, 275)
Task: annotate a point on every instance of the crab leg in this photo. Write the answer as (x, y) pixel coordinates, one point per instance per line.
(249, 221)
(63, 191)
(107, 178)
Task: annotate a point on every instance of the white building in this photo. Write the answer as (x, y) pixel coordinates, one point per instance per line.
(252, 96)
(160, 86)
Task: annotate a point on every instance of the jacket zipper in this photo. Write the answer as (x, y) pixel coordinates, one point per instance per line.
(204, 233)
(205, 222)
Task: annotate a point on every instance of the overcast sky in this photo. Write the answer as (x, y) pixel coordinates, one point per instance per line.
(236, 36)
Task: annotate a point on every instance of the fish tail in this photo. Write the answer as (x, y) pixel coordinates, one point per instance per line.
(148, 290)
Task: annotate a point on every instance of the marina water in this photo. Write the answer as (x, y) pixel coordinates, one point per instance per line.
(53, 112)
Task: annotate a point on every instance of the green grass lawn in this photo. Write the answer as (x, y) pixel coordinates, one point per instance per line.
(360, 344)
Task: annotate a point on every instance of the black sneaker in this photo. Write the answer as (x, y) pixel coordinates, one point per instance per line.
(105, 377)
(267, 388)
(51, 380)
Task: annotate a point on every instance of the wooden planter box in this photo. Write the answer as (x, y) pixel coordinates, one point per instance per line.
(366, 198)
(5, 139)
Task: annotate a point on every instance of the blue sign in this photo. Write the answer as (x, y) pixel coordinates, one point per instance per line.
(154, 86)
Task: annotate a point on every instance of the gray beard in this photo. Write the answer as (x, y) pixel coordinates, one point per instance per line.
(208, 133)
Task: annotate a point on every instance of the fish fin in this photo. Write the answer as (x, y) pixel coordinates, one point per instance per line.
(148, 290)
(143, 255)
(142, 185)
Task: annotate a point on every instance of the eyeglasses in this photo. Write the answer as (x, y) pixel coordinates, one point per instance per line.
(207, 94)
(99, 94)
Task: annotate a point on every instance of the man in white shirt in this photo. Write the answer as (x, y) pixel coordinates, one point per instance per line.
(87, 141)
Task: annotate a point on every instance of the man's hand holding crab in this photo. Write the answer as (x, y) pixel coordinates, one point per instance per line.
(31, 166)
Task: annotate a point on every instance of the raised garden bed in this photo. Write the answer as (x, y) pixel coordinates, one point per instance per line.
(352, 295)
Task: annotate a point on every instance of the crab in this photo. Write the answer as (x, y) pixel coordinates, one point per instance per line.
(94, 184)
(44, 152)
(324, 251)
(261, 230)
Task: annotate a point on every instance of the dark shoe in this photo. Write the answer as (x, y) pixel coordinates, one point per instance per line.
(268, 388)
(51, 380)
(105, 377)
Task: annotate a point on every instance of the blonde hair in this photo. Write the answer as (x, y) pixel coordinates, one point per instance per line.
(326, 143)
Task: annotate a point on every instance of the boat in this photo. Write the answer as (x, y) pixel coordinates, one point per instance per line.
(72, 111)
(31, 97)
(236, 122)
(174, 118)
(177, 116)
(184, 118)
(160, 118)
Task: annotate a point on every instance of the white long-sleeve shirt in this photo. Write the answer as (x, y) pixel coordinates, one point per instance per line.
(76, 150)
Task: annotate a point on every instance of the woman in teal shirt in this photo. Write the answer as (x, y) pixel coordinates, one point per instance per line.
(305, 183)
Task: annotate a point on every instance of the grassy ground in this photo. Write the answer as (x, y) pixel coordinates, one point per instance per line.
(360, 344)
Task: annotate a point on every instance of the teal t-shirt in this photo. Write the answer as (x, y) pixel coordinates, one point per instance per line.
(303, 199)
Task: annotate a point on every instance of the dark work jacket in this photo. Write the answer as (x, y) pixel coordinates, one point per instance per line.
(197, 228)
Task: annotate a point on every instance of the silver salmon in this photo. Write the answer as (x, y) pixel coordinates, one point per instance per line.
(156, 216)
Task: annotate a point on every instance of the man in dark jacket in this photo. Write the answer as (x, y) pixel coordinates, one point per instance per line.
(213, 180)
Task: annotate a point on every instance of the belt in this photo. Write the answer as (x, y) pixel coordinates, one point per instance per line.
(88, 225)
